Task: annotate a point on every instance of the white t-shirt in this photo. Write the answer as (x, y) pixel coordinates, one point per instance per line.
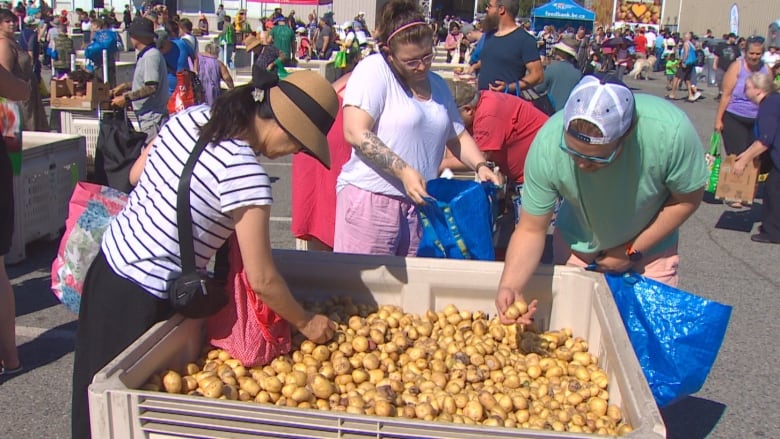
(361, 37)
(142, 242)
(650, 41)
(669, 46)
(417, 131)
(770, 59)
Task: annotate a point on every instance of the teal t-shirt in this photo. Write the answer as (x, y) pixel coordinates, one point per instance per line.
(611, 206)
(283, 37)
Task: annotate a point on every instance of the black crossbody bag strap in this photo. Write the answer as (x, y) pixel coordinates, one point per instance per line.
(183, 214)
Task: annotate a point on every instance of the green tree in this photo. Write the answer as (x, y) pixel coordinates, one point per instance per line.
(527, 5)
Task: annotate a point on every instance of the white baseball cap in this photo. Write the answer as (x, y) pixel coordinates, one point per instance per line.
(604, 102)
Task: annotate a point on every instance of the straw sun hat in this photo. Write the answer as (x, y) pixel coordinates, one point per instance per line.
(305, 106)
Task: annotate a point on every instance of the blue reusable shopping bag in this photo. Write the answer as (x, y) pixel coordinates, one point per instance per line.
(458, 222)
(676, 335)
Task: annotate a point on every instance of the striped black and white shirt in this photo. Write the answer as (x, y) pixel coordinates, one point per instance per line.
(141, 243)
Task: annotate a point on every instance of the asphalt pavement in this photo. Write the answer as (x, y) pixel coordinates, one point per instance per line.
(739, 400)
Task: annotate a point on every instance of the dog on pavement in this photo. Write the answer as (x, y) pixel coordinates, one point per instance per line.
(643, 67)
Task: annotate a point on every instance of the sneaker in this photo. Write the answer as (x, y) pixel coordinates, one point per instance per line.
(763, 238)
(694, 97)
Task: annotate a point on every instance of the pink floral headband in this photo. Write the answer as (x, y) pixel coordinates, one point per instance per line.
(404, 27)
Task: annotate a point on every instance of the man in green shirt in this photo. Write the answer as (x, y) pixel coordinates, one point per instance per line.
(630, 170)
(284, 39)
(227, 39)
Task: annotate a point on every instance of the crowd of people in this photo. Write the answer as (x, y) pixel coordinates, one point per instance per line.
(548, 117)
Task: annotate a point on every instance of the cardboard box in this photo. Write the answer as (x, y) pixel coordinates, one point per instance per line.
(63, 96)
(736, 188)
(568, 297)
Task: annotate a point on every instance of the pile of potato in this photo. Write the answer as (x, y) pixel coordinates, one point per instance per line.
(452, 366)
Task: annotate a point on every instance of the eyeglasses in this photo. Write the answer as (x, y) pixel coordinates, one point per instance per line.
(755, 39)
(415, 63)
(591, 158)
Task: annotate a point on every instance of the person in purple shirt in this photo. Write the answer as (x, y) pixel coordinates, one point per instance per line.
(761, 89)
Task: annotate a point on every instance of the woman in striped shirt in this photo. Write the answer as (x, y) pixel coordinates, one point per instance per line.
(126, 289)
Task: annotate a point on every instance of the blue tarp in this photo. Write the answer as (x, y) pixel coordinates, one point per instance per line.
(563, 10)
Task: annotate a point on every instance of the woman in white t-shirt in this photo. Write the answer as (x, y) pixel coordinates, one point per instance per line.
(398, 116)
(126, 288)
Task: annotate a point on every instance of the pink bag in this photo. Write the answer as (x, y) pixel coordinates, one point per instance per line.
(91, 209)
(247, 328)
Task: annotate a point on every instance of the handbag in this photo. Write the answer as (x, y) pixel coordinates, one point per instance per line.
(340, 61)
(247, 328)
(676, 335)
(183, 95)
(91, 209)
(713, 160)
(199, 92)
(194, 294)
(11, 123)
(118, 147)
(540, 100)
(458, 222)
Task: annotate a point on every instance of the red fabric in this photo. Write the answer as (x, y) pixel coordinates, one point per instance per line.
(246, 328)
(505, 125)
(314, 188)
(640, 44)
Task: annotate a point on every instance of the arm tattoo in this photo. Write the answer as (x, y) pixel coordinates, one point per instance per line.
(380, 155)
(143, 92)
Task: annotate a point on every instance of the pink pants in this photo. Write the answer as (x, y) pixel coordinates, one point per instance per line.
(659, 266)
(376, 224)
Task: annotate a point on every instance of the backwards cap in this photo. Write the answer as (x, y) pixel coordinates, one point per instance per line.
(609, 105)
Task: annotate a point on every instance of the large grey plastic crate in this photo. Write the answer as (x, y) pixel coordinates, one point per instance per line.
(568, 297)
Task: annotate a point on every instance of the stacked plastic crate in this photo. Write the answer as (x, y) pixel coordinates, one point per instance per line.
(52, 164)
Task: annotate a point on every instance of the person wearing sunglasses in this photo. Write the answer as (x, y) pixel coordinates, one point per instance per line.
(630, 170)
(736, 115)
(398, 117)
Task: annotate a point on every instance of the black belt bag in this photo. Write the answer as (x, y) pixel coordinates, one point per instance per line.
(194, 294)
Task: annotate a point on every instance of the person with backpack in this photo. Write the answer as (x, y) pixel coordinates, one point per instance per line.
(698, 67)
(686, 69)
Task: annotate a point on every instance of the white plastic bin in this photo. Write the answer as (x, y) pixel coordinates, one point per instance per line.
(52, 164)
(86, 125)
(568, 297)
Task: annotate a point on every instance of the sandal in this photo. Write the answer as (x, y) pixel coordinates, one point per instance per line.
(670, 97)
